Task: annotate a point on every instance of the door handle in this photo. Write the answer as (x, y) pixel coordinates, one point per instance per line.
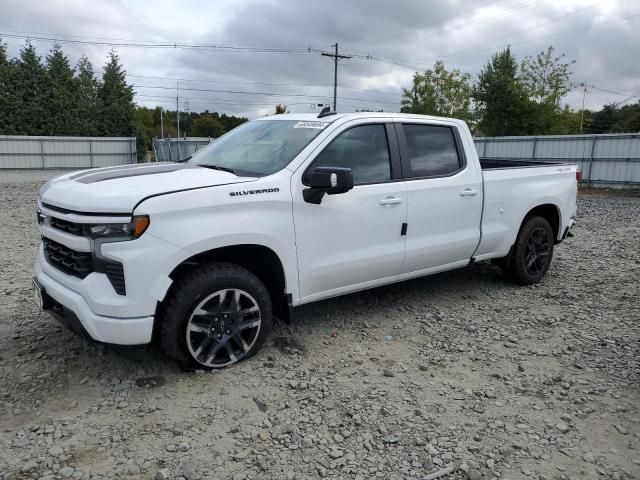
(468, 192)
(390, 200)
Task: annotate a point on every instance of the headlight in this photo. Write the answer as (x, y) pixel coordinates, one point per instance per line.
(124, 231)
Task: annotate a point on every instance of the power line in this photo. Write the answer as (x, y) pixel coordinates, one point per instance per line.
(218, 100)
(608, 91)
(236, 82)
(520, 32)
(209, 100)
(475, 47)
(625, 100)
(271, 94)
(158, 45)
(457, 28)
(470, 51)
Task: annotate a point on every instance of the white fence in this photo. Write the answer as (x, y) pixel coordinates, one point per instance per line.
(171, 149)
(65, 152)
(610, 160)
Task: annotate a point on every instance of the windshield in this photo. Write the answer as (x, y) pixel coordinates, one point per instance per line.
(258, 148)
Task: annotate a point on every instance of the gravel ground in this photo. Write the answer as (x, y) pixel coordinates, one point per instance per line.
(455, 376)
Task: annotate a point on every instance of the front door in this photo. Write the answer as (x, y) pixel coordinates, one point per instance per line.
(353, 239)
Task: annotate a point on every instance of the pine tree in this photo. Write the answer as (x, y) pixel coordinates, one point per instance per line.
(115, 101)
(31, 92)
(86, 107)
(62, 95)
(8, 105)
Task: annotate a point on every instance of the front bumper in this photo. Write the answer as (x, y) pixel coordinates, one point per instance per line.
(73, 310)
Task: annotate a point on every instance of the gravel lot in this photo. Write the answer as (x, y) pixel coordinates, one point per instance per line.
(459, 375)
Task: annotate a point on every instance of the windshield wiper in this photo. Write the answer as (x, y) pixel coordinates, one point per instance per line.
(182, 160)
(219, 167)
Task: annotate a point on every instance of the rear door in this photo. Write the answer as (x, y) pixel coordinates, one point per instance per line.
(444, 195)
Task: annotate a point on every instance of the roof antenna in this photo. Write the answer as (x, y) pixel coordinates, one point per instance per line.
(325, 112)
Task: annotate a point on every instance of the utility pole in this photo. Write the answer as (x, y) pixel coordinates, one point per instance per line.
(161, 124)
(584, 94)
(335, 57)
(178, 112)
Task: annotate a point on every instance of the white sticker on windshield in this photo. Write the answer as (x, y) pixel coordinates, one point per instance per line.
(319, 125)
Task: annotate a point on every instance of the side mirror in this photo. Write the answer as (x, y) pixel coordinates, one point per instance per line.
(329, 180)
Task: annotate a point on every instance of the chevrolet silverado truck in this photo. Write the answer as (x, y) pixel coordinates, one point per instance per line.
(199, 256)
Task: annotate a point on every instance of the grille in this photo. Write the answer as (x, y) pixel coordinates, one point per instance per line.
(81, 264)
(66, 226)
(78, 264)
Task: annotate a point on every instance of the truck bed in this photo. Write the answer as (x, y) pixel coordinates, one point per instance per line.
(496, 163)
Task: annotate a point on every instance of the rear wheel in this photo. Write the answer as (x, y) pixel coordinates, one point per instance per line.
(532, 252)
(216, 316)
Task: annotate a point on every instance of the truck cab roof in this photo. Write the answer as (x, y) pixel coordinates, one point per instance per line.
(310, 117)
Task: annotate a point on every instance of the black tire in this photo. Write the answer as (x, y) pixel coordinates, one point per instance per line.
(532, 252)
(212, 289)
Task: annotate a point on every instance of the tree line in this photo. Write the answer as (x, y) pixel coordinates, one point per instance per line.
(51, 97)
(148, 124)
(511, 98)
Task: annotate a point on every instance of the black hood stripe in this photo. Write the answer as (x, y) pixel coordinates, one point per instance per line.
(133, 172)
(93, 171)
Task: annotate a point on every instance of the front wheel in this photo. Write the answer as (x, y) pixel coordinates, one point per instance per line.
(216, 315)
(532, 252)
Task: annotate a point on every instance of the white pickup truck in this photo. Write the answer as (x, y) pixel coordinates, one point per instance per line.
(199, 256)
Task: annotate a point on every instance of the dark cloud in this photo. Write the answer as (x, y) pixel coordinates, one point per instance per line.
(411, 32)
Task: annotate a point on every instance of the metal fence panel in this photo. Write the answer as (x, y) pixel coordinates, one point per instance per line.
(171, 149)
(611, 160)
(65, 152)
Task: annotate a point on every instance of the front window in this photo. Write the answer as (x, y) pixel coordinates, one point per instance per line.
(364, 150)
(258, 148)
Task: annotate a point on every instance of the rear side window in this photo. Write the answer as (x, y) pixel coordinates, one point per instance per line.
(431, 151)
(364, 150)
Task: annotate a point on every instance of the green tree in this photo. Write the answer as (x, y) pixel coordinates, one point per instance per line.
(206, 125)
(61, 96)
(230, 121)
(144, 126)
(440, 92)
(87, 95)
(603, 120)
(614, 119)
(628, 119)
(545, 77)
(8, 104)
(30, 93)
(503, 105)
(280, 109)
(115, 100)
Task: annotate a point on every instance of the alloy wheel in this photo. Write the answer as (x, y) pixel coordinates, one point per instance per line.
(223, 327)
(537, 251)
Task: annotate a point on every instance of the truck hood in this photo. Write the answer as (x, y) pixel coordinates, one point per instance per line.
(119, 189)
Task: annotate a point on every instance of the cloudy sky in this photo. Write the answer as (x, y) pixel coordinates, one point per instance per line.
(271, 48)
